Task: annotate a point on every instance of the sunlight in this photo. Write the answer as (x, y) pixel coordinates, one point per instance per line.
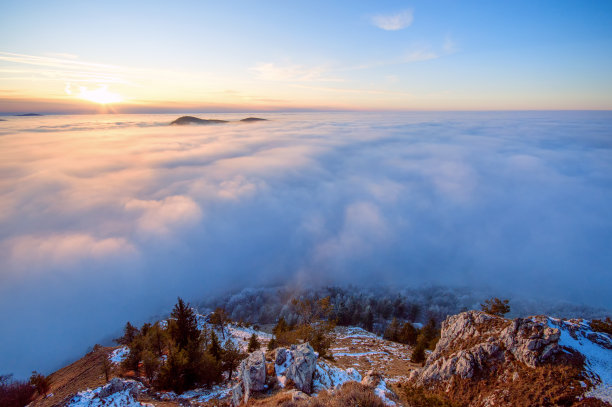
(101, 95)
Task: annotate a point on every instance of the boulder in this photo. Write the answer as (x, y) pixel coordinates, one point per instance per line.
(253, 373)
(371, 378)
(302, 367)
(251, 377)
(297, 395)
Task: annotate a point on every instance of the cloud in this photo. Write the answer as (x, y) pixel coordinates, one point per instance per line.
(393, 22)
(270, 71)
(108, 219)
(63, 250)
(164, 216)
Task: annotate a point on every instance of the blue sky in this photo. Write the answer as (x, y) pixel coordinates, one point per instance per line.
(338, 55)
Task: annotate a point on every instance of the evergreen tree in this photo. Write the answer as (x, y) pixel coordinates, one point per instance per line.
(418, 353)
(272, 344)
(219, 318)
(129, 333)
(157, 339)
(151, 365)
(392, 330)
(495, 306)
(408, 334)
(106, 368)
(184, 326)
(215, 349)
(253, 344)
(281, 326)
(231, 358)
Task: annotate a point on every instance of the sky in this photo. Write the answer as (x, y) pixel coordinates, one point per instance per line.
(108, 218)
(200, 56)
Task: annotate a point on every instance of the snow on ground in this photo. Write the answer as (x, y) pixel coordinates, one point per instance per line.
(356, 347)
(199, 395)
(381, 391)
(598, 357)
(360, 353)
(91, 398)
(279, 370)
(239, 335)
(357, 332)
(119, 354)
(330, 377)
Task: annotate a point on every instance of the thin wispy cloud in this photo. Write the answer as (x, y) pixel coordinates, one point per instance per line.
(270, 71)
(394, 22)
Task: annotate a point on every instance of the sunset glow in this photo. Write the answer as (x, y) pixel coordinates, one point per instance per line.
(100, 95)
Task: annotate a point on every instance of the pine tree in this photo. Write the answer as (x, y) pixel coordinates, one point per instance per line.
(418, 353)
(184, 326)
(129, 333)
(231, 358)
(253, 344)
(272, 344)
(495, 306)
(215, 349)
(219, 318)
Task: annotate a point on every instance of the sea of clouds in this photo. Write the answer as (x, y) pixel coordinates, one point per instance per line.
(110, 218)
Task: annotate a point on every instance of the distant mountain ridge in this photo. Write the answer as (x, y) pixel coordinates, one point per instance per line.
(184, 120)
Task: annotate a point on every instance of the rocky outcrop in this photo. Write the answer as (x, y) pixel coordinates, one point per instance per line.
(252, 377)
(472, 343)
(117, 385)
(194, 120)
(302, 368)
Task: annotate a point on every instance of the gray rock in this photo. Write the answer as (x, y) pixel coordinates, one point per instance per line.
(281, 356)
(253, 373)
(371, 378)
(297, 395)
(237, 395)
(473, 343)
(116, 385)
(302, 367)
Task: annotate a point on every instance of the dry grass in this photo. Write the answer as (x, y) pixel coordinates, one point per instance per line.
(556, 384)
(411, 396)
(87, 372)
(392, 359)
(351, 394)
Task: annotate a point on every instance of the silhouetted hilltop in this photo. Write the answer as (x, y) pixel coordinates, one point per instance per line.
(194, 120)
(253, 119)
(29, 114)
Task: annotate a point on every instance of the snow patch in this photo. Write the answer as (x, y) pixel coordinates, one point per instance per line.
(280, 370)
(361, 353)
(91, 398)
(381, 391)
(119, 354)
(598, 358)
(330, 377)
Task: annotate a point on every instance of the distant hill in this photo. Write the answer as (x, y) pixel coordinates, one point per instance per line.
(253, 119)
(183, 120)
(194, 120)
(29, 114)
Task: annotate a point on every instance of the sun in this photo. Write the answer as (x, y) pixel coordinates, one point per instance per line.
(100, 95)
